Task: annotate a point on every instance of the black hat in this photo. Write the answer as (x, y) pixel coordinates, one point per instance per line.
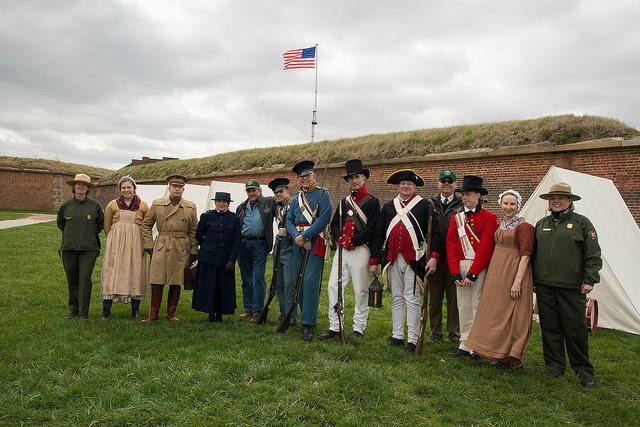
(304, 167)
(279, 184)
(405, 175)
(355, 166)
(222, 196)
(472, 183)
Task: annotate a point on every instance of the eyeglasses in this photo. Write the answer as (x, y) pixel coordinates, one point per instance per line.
(446, 181)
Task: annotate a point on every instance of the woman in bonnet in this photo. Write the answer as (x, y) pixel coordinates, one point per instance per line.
(502, 325)
(124, 267)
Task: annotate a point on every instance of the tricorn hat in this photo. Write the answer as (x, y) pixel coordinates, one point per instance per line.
(405, 175)
(472, 183)
(180, 179)
(560, 189)
(305, 167)
(81, 178)
(278, 184)
(353, 167)
(222, 196)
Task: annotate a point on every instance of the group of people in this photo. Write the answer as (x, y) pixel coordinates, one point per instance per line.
(448, 246)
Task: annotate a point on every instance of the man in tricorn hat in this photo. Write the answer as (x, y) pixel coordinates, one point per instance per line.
(566, 267)
(173, 249)
(307, 219)
(256, 217)
(399, 241)
(445, 206)
(469, 249)
(352, 227)
(285, 278)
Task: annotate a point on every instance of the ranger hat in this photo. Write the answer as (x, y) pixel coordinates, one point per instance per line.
(279, 184)
(560, 189)
(353, 167)
(252, 183)
(447, 173)
(405, 175)
(472, 183)
(304, 167)
(222, 196)
(179, 179)
(81, 178)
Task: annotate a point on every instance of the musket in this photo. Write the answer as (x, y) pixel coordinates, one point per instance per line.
(339, 306)
(425, 299)
(295, 298)
(272, 287)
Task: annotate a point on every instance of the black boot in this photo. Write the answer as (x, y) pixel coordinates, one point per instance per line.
(106, 314)
(135, 308)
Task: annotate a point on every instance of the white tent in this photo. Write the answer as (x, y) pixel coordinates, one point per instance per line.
(192, 192)
(618, 293)
(237, 191)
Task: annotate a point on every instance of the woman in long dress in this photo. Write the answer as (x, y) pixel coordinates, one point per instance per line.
(502, 326)
(124, 266)
(219, 236)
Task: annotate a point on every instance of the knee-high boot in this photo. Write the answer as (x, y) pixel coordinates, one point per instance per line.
(172, 302)
(154, 306)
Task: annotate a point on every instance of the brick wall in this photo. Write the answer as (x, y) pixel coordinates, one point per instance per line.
(34, 190)
(520, 168)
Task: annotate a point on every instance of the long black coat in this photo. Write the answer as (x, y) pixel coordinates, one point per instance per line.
(219, 238)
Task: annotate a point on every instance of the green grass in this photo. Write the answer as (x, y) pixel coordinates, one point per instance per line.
(7, 214)
(25, 163)
(120, 372)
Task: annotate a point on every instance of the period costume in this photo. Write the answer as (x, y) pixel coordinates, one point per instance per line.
(124, 270)
(308, 217)
(81, 222)
(470, 246)
(399, 241)
(440, 285)
(173, 248)
(567, 257)
(352, 227)
(285, 279)
(502, 325)
(257, 241)
(218, 234)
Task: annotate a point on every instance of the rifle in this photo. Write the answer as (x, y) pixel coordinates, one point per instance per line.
(425, 300)
(339, 307)
(272, 287)
(284, 325)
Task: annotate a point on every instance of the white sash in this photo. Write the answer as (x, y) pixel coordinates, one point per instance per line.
(461, 222)
(402, 215)
(356, 208)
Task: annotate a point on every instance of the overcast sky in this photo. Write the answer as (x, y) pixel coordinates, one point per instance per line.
(102, 82)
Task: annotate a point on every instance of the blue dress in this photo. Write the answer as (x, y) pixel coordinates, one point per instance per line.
(219, 237)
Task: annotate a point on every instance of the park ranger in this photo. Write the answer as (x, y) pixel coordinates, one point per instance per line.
(173, 249)
(307, 219)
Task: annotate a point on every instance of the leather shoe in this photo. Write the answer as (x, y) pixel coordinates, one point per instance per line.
(246, 314)
(329, 335)
(587, 382)
(395, 342)
(461, 353)
(553, 374)
(72, 315)
(255, 318)
(357, 335)
(307, 333)
(433, 339)
(411, 348)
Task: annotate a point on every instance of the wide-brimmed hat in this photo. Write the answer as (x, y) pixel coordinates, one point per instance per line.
(560, 189)
(353, 167)
(472, 183)
(177, 178)
(279, 184)
(81, 178)
(222, 196)
(303, 168)
(405, 175)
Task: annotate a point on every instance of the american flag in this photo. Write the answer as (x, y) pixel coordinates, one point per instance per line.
(300, 58)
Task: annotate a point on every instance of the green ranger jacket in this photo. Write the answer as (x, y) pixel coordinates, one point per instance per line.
(567, 252)
(80, 223)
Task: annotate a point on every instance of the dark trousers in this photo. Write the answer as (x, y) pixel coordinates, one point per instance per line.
(252, 261)
(563, 324)
(439, 286)
(78, 266)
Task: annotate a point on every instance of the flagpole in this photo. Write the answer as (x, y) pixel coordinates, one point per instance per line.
(315, 100)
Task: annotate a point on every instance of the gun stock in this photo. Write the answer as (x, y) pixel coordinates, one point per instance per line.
(339, 307)
(272, 287)
(284, 325)
(425, 297)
